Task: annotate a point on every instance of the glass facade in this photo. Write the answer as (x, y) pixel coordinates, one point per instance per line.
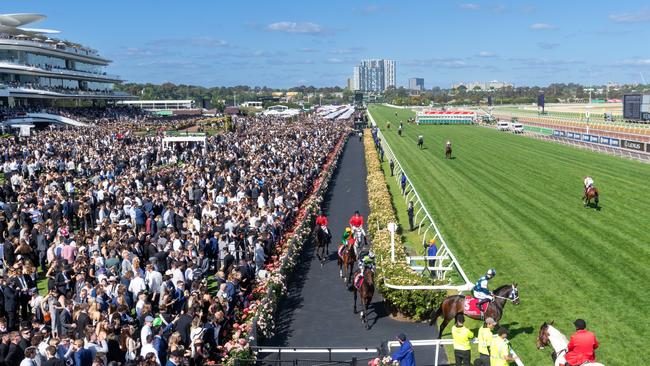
(48, 62)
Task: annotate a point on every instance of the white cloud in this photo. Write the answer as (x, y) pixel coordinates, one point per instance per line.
(296, 27)
(470, 6)
(334, 60)
(542, 26)
(642, 15)
(486, 54)
(637, 62)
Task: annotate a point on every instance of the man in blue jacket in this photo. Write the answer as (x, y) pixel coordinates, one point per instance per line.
(404, 354)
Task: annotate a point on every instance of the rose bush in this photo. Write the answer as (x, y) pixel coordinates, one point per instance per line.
(417, 304)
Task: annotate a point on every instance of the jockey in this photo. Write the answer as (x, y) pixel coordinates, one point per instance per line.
(367, 262)
(321, 220)
(448, 143)
(346, 235)
(481, 291)
(588, 182)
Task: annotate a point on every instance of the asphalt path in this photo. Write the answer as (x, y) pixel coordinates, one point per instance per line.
(318, 310)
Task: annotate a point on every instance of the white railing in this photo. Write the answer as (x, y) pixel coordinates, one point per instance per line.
(426, 227)
(443, 342)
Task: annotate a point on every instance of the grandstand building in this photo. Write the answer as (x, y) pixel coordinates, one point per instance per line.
(445, 118)
(38, 70)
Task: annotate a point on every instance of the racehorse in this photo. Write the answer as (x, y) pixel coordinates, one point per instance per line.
(549, 334)
(453, 305)
(448, 151)
(346, 259)
(323, 240)
(420, 142)
(366, 291)
(592, 193)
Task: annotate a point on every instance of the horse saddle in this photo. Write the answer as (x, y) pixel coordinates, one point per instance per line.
(341, 250)
(358, 280)
(471, 306)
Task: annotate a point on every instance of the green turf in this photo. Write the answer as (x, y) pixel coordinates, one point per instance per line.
(513, 203)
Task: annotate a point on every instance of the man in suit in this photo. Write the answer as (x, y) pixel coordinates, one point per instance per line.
(64, 319)
(23, 283)
(50, 352)
(15, 354)
(10, 303)
(82, 356)
(63, 282)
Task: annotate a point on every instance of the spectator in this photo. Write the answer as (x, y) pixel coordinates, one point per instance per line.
(391, 164)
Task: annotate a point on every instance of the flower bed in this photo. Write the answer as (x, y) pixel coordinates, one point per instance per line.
(257, 318)
(419, 304)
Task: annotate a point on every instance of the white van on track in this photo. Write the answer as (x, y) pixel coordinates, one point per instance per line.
(503, 126)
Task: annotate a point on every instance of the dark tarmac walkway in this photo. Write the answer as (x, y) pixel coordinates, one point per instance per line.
(317, 311)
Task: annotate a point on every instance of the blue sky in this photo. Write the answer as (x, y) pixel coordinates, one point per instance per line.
(283, 44)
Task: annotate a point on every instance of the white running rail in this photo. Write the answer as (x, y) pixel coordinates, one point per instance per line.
(427, 228)
(443, 342)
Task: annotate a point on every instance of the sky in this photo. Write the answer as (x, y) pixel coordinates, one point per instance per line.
(282, 44)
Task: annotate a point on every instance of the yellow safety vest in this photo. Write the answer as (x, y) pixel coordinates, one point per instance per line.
(461, 337)
(485, 338)
(498, 352)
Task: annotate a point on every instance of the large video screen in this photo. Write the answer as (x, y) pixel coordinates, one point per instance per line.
(632, 106)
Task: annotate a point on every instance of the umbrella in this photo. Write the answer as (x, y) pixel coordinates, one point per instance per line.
(49, 40)
(22, 36)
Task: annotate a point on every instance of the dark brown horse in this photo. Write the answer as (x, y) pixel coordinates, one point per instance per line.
(592, 193)
(323, 240)
(366, 291)
(346, 260)
(453, 305)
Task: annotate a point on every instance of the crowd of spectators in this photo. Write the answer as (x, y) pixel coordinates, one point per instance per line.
(143, 255)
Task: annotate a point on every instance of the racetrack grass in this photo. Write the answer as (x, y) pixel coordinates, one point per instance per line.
(513, 203)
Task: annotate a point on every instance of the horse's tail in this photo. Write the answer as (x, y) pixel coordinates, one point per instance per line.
(435, 315)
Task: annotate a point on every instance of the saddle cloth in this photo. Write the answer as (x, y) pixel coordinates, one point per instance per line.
(471, 306)
(358, 280)
(341, 250)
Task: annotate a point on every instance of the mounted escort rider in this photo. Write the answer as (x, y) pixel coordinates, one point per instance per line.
(356, 224)
(321, 220)
(588, 182)
(480, 290)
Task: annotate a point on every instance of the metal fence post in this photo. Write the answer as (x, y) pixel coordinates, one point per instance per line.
(354, 361)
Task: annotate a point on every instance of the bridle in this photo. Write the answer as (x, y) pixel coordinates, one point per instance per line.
(511, 297)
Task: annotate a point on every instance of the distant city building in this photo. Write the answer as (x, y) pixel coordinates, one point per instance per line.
(374, 75)
(350, 84)
(416, 84)
(477, 85)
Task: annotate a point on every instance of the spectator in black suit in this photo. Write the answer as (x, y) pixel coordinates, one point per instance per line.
(63, 282)
(10, 303)
(15, 354)
(64, 319)
(50, 352)
(23, 284)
